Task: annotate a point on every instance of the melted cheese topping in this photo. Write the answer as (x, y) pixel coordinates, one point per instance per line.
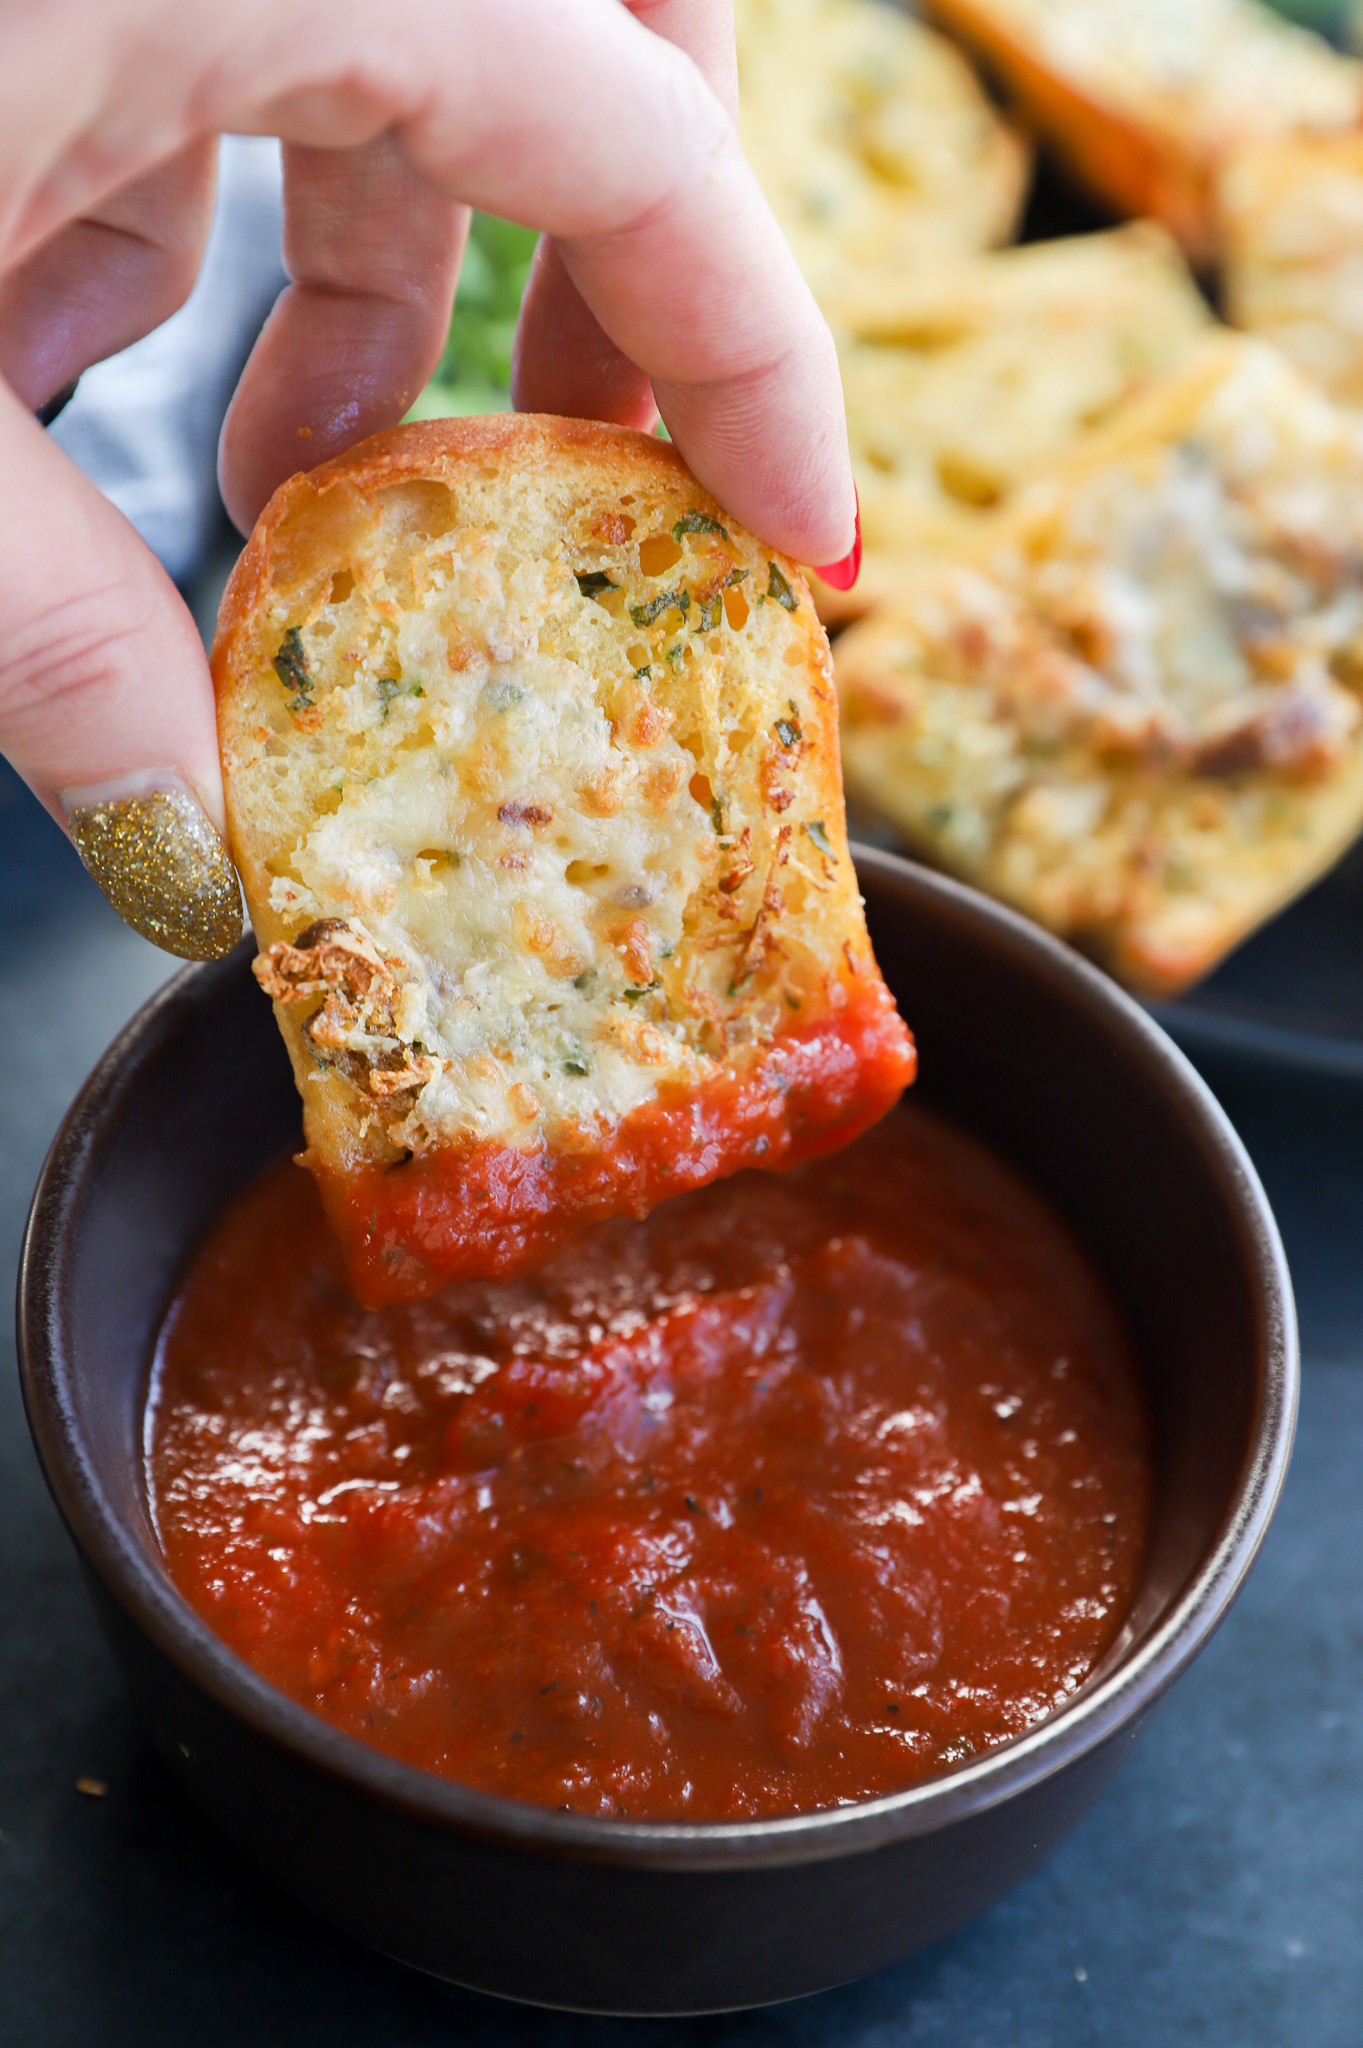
(1154, 690)
(1231, 65)
(1292, 212)
(976, 380)
(565, 809)
(871, 139)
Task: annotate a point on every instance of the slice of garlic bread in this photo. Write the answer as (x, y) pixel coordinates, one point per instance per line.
(1292, 227)
(1138, 713)
(873, 141)
(532, 780)
(1146, 98)
(965, 383)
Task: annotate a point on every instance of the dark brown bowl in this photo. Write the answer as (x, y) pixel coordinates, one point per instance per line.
(1020, 1042)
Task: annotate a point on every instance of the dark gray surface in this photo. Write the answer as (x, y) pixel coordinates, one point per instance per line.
(1213, 1896)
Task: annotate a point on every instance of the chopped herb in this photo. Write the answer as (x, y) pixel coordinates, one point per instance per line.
(582, 982)
(717, 814)
(814, 827)
(735, 576)
(674, 655)
(645, 672)
(392, 686)
(500, 694)
(788, 732)
(794, 1001)
(941, 815)
(291, 666)
(697, 522)
(576, 1066)
(594, 581)
(633, 994)
(653, 607)
(708, 615)
(339, 788)
(778, 588)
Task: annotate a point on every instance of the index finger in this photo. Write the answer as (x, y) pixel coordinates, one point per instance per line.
(563, 361)
(607, 137)
(612, 142)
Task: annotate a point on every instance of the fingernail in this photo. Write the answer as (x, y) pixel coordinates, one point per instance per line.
(842, 575)
(158, 858)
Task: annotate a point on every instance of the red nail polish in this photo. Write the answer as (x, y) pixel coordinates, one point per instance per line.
(842, 575)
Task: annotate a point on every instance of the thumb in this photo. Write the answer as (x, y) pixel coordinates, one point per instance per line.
(106, 707)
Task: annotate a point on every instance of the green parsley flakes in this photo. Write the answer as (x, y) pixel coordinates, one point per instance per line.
(778, 588)
(653, 608)
(390, 687)
(291, 666)
(693, 521)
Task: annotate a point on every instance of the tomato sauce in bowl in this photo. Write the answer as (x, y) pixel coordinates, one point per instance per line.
(799, 1492)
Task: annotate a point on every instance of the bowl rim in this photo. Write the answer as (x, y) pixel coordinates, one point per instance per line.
(1094, 1715)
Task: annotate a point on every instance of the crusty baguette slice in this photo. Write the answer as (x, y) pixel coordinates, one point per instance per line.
(1136, 713)
(1146, 98)
(873, 141)
(532, 780)
(966, 382)
(1292, 228)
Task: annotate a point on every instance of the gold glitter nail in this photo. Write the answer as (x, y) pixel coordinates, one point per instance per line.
(165, 870)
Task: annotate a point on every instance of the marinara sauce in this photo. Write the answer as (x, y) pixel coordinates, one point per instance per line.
(800, 1491)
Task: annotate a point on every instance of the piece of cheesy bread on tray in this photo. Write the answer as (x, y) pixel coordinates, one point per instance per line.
(1136, 714)
(1292, 228)
(532, 780)
(873, 141)
(1145, 99)
(968, 380)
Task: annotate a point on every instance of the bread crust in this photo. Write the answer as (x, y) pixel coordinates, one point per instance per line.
(1137, 711)
(1152, 141)
(533, 784)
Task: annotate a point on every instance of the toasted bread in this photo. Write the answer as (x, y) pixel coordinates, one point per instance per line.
(532, 781)
(1145, 99)
(966, 383)
(1292, 229)
(873, 142)
(1135, 713)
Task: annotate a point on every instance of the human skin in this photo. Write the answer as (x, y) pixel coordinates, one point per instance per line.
(607, 124)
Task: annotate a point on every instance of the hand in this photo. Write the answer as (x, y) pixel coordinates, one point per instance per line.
(662, 277)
